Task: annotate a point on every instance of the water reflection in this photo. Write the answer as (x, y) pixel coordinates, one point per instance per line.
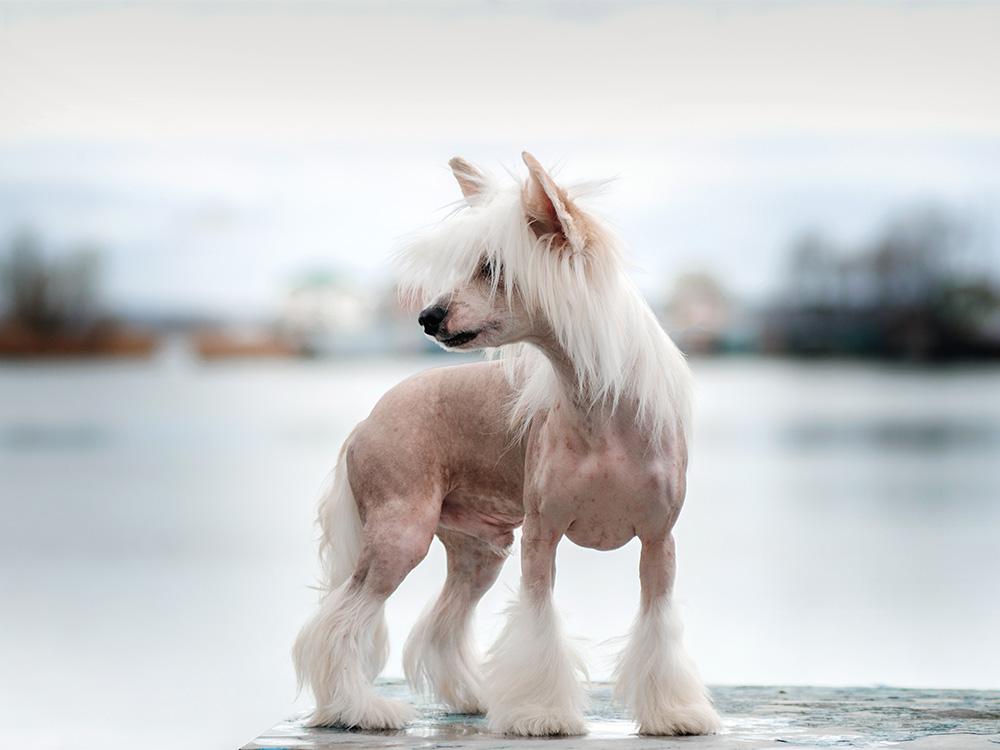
(57, 437)
(921, 435)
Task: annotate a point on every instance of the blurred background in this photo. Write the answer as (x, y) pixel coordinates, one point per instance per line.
(198, 204)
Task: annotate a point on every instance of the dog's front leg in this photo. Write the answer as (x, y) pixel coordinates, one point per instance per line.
(656, 678)
(532, 675)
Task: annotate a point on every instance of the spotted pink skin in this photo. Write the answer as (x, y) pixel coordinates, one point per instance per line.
(436, 456)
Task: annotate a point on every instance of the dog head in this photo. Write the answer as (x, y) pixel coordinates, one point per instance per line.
(507, 264)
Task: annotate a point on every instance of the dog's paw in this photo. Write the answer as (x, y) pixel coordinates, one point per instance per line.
(386, 713)
(538, 724)
(375, 713)
(699, 718)
(470, 705)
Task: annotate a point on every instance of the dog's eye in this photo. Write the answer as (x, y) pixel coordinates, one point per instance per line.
(489, 269)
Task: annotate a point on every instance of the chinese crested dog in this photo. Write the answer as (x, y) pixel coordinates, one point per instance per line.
(577, 428)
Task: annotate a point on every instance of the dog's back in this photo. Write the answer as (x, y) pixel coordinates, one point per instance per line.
(442, 439)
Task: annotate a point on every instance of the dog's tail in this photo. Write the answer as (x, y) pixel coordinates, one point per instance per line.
(340, 527)
(340, 548)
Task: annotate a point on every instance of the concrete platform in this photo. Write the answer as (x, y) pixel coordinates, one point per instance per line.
(754, 717)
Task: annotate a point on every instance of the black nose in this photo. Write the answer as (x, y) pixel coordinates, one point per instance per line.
(431, 317)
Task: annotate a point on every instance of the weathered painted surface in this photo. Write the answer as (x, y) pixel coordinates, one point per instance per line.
(754, 717)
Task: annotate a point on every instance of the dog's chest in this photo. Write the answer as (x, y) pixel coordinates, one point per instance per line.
(602, 495)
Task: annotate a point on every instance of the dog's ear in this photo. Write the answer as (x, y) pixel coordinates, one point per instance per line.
(470, 180)
(550, 212)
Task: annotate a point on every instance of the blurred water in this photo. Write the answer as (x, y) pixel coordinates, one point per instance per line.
(842, 527)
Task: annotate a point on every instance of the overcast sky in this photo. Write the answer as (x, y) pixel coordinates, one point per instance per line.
(217, 149)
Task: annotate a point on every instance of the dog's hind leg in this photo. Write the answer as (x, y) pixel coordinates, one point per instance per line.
(655, 678)
(343, 647)
(440, 656)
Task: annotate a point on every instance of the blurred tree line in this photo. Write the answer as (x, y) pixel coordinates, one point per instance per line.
(923, 289)
(48, 296)
(51, 305)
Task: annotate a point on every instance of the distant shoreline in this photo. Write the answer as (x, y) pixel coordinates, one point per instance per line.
(16, 344)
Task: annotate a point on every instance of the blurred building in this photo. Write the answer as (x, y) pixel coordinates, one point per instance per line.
(327, 314)
(704, 318)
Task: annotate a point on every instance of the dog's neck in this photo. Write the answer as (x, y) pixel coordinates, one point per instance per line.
(577, 410)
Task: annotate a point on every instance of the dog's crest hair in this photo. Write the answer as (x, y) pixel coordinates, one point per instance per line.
(618, 349)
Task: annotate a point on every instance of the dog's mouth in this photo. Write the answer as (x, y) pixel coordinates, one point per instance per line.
(458, 339)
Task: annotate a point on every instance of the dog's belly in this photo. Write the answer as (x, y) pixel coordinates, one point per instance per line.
(488, 517)
(602, 534)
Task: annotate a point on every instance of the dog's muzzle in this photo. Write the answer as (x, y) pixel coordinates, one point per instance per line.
(431, 317)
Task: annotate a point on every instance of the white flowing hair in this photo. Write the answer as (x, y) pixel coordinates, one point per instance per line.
(607, 329)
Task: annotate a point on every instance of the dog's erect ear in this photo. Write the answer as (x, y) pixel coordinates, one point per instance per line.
(550, 212)
(470, 180)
